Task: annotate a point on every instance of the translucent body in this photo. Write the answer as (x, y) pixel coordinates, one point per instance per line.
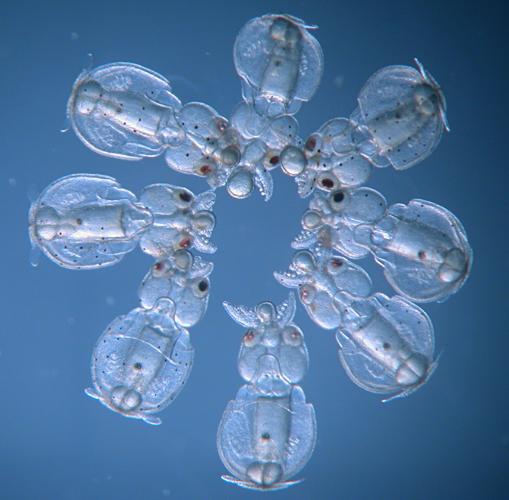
(123, 110)
(182, 278)
(264, 442)
(320, 280)
(181, 220)
(279, 62)
(86, 221)
(273, 353)
(332, 218)
(403, 110)
(334, 159)
(268, 432)
(386, 345)
(423, 249)
(141, 362)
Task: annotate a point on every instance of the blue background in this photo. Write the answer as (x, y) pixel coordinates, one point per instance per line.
(449, 440)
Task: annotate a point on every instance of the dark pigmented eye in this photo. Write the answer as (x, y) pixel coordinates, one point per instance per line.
(205, 169)
(185, 242)
(307, 294)
(201, 288)
(159, 269)
(327, 183)
(292, 336)
(338, 196)
(250, 338)
(185, 196)
(310, 143)
(335, 265)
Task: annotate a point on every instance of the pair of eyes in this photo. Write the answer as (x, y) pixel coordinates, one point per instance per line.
(312, 219)
(229, 156)
(199, 287)
(304, 261)
(307, 293)
(324, 181)
(182, 261)
(291, 336)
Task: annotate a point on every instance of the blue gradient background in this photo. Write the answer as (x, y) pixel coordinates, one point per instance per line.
(449, 440)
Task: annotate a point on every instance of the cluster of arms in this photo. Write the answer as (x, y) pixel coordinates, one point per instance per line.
(386, 344)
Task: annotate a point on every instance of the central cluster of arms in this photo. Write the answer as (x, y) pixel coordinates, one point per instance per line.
(386, 344)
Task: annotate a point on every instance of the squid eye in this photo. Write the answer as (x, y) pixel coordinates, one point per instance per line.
(307, 294)
(201, 288)
(160, 268)
(271, 159)
(185, 241)
(221, 125)
(250, 338)
(184, 197)
(304, 261)
(274, 160)
(292, 336)
(335, 265)
(205, 169)
(313, 143)
(327, 182)
(337, 200)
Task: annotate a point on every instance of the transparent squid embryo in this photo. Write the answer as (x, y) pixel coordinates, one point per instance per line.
(280, 63)
(141, 362)
(264, 442)
(85, 221)
(273, 354)
(386, 345)
(124, 110)
(403, 110)
(320, 279)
